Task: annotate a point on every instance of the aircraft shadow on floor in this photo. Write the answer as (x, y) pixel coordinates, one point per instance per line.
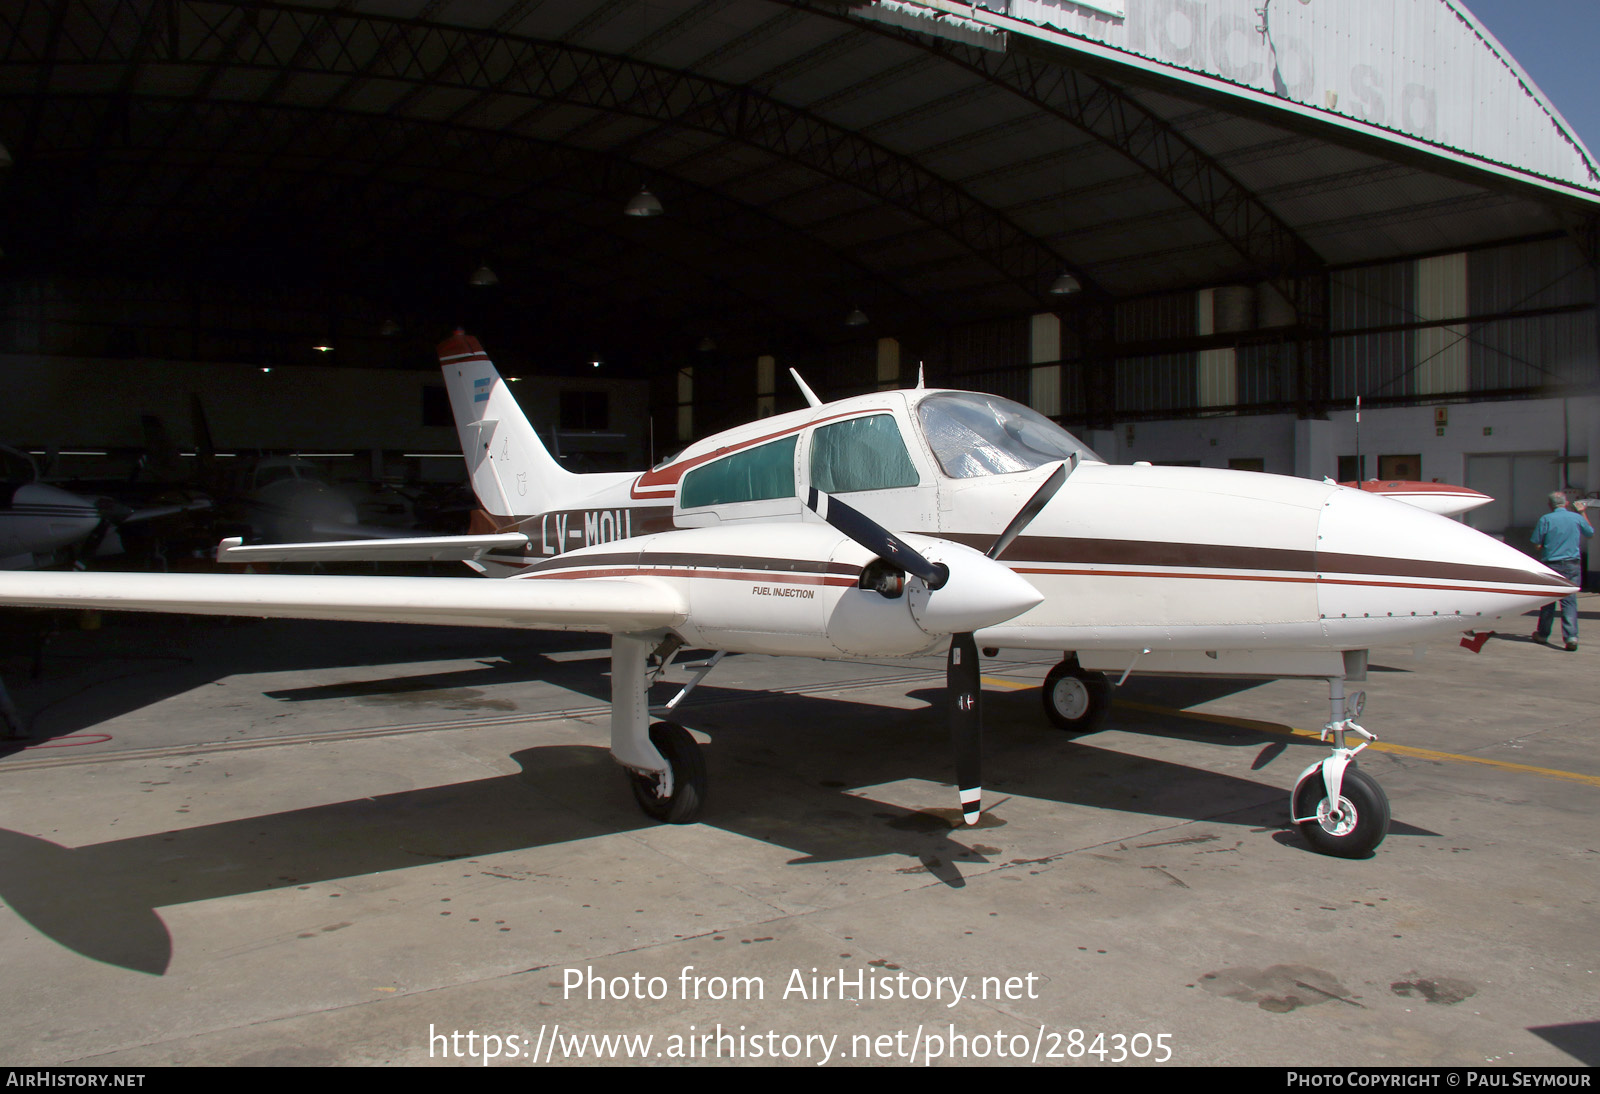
(1580, 1040)
(780, 768)
(92, 677)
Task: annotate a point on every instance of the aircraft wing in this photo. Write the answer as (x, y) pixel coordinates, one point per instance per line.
(156, 512)
(603, 605)
(409, 549)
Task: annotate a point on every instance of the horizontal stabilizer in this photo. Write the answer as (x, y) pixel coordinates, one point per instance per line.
(412, 549)
(601, 605)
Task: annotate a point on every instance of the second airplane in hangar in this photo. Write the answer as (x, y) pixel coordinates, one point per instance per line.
(1014, 535)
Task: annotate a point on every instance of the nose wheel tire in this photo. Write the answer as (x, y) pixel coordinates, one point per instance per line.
(1350, 827)
(682, 752)
(1076, 700)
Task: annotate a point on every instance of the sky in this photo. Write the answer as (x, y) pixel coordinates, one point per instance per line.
(1557, 42)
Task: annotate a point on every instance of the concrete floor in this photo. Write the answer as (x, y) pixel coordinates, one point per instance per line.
(293, 843)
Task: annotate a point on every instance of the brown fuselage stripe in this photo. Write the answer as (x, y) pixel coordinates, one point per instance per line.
(1036, 554)
(689, 560)
(1213, 556)
(698, 572)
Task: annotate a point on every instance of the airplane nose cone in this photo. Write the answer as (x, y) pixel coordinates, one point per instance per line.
(1387, 571)
(979, 593)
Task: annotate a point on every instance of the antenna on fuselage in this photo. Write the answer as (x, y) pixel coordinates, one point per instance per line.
(811, 396)
(920, 384)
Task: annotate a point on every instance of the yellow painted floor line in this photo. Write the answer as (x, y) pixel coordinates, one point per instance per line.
(1007, 685)
(1377, 746)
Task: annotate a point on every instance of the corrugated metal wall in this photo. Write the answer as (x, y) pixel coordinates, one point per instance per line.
(1526, 319)
(1424, 68)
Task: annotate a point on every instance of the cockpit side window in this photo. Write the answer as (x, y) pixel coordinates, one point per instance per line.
(752, 475)
(861, 454)
(973, 435)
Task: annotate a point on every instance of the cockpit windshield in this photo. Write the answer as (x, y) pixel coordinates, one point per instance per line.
(973, 435)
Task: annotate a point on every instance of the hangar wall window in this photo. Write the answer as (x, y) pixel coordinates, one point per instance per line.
(1407, 467)
(752, 475)
(861, 454)
(766, 386)
(1404, 468)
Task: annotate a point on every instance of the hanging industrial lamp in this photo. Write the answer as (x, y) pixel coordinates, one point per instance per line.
(643, 204)
(1065, 285)
(483, 277)
(856, 318)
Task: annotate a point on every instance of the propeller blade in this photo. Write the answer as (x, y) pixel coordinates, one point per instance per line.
(1041, 498)
(962, 683)
(966, 722)
(876, 538)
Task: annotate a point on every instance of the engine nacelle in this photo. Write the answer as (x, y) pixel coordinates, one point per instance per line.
(797, 590)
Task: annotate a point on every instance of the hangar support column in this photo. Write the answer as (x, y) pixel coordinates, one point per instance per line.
(1315, 453)
(1313, 389)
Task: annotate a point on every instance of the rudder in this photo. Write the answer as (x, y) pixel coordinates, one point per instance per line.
(513, 474)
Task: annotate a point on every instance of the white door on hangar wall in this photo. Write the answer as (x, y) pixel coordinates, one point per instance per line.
(1519, 483)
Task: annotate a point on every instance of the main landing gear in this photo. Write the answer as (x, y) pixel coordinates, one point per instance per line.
(1075, 699)
(1341, 810)
(666, 768)
(677, 796)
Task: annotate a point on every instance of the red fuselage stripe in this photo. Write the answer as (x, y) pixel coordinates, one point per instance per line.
(663, 481)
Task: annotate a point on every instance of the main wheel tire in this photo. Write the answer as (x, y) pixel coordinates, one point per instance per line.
(1355, 827)
(1076, 700)
(682, 752)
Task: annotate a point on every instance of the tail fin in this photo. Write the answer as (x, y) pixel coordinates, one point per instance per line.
(512, 472)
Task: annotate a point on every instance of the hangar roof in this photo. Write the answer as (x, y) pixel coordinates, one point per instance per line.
(926, 164)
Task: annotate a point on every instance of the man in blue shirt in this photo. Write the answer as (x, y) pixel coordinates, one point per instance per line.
(1560, 534)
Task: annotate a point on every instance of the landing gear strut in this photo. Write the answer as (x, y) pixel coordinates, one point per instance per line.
(1075, 699)
(1341, 810)
(665, 765)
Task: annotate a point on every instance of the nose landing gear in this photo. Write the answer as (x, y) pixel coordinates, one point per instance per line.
(1341, 810)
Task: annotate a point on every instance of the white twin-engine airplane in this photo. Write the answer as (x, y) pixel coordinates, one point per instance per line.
(1012, 534)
